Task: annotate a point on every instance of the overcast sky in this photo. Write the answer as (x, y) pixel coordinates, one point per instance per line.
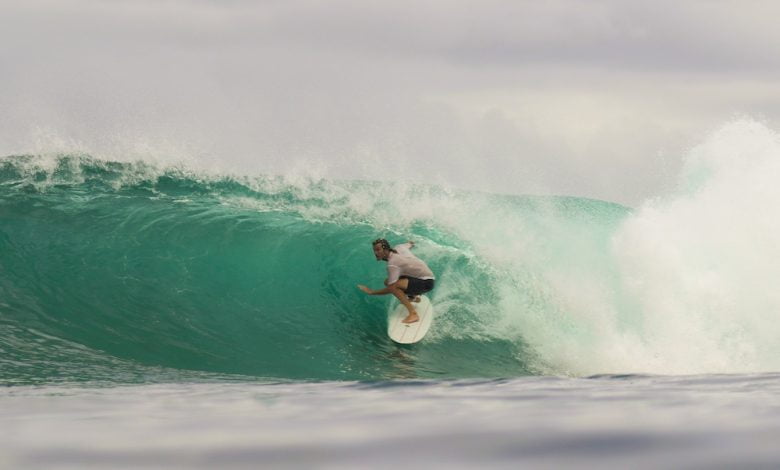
(598, 99)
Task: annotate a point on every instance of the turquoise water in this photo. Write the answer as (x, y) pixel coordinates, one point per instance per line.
(128, 272)
(133, 272)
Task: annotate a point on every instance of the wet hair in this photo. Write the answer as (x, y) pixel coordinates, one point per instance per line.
(385, 244)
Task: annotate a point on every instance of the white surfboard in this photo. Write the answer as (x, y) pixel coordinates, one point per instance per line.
(407, 333)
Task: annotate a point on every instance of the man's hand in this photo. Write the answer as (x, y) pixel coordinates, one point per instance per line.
(365, 289)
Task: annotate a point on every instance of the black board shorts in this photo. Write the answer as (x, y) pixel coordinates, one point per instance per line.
(417, 286)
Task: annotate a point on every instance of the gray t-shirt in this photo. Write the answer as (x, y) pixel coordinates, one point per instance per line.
(404, 263)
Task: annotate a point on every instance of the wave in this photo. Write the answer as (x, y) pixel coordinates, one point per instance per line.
(127, 271)
(105, 262)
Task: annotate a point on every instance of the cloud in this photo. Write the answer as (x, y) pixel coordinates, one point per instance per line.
(596, 99)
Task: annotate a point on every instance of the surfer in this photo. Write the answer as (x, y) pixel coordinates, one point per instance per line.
(407, 275)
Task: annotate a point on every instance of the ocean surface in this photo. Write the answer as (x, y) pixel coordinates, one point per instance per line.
(162, 317)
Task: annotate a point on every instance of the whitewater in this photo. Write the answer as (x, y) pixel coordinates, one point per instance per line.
(169, 317)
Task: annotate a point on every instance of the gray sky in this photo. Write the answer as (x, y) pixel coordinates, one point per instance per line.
(598, 99)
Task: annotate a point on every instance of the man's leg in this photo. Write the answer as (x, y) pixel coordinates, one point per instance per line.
(398, 289)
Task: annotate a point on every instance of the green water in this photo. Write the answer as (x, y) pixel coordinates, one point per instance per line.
(128, 272)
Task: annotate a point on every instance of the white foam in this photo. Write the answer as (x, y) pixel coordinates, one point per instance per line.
(697, 270)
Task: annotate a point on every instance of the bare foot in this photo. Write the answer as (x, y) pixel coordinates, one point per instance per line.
(412, 318)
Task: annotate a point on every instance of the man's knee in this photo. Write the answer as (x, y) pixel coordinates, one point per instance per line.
(398, 285)
(394, 286)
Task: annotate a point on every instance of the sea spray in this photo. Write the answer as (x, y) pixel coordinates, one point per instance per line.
(700, 265)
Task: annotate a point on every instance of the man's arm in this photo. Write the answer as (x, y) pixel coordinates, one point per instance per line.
(368, 291)
(393, 274)
(409, 244)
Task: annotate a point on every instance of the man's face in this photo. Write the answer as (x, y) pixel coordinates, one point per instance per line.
(379, 252)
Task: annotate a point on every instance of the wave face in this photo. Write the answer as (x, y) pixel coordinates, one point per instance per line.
(129, 272)
(115, 268)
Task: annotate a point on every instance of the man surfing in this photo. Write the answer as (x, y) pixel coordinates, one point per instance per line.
(407, 275)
